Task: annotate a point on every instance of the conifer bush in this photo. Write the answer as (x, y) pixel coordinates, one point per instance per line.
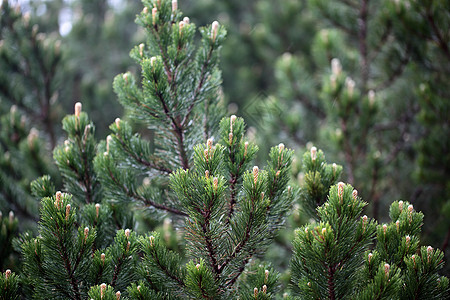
(196, 168)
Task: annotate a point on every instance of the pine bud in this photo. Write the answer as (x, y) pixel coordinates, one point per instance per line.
(86, 233)
(97, 209)
(336, 67)
(386, 269)
(400, 205)
(154, 11)
(7, 274)
(102, 257)
(309, 284)
(355, 194)
(277, 173)
(313, 153)
(232, 119)
(26, 18)
(397, 224)
(145, 10)
(197, 266)
(31, 138)
(108, 142)
(117, 121)
(413, 257)
(152, 239)
(262, 195)
(255, 174)
(58, 199)
(215, 183)
(334, 169)
(209, 143)
(102, 290)
(245, 148)
(280, 147)
(186, 20)
(408, 239)
(118, 295)
(207, 174)
(87, 130)
(214, 30)
(350, 84)
(255, 293)
(206, 154)
(230, 138)
(341, 186)
(67, 212)
(127, 233)
(180, 27)
(371, 96)
(384, 228)
(139, 288)
(410, 208)
(264, 289)
(364, 221)
(266, 276)
(77, 109)
(369, 257)
(324, 230)
(429, 253)
(174, 5)
(141, 49)
(125, 77)
(11, 216)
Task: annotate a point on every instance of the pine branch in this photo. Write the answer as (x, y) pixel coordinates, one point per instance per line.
(70, 272)
(440, 39)
(117, 269)
(330, 282)
(238, 273)
(233, 187)
(86, 176)
(396, 73)
(237, 249)
(199, 87)
(166, 271)
(135, 196)
(209, 243)
(140, 159)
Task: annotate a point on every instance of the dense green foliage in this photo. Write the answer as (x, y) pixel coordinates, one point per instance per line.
(171, 205)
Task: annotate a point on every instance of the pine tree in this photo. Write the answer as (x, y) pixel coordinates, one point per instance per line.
(177, 102)
(333, 258)
(30, 63)
(356, 88)
(64, 261)
(29, 88)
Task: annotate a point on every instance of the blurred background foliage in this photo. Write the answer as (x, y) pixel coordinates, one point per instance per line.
(366, 81)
